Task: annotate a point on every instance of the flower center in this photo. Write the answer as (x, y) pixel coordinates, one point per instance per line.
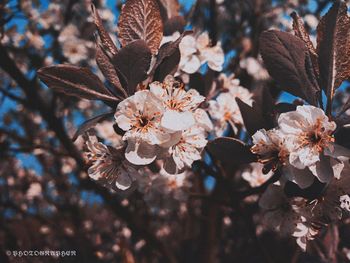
(143, 121)
(318, 137)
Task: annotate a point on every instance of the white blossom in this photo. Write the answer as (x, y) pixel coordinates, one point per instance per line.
(254, 175)
(109, 167)
(309, 135)
(196, 51)
(140, 115)
(254, 68)
(186, 148)
(279, 213)
(269, 145)
(179, 104)
(224, 109)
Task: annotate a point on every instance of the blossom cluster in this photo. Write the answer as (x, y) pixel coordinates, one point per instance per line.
(303, 144)
(196, 51)
(303, 147)
(164, 122)
(224, 109)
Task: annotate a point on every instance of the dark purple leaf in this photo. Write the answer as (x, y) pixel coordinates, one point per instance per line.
(133, 62)
(140, 19)
(174, 24)
(333, 48)
(109, 71)
(168, 66)
(300, 31)
(167, 50)
(252, 117)
(285, 57)
(106, 40)
(231, 151)
(75, 81)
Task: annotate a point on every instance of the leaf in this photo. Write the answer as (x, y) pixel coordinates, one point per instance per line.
(252, 118)
(168, 66)
(108, 70)
(333, 48)
(91, 123)
(264, 103)
(231, 150)
(342, 136)
(75, 81)
(167, 50)
(345, 107)
(106, 40)
(133, 61)
(285, 57)
(140, 19)
(300, 31)
(174, 24)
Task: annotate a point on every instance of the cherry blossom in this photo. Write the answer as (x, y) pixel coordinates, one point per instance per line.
(224, 109)
(179, 104)
(186, 148)
(109, 166)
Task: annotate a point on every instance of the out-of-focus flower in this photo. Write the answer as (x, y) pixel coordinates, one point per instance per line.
(254, 175)
(224, 110)
(269, 146)
(35, 190)
(53, 16)
(35, 40)
(304, 232)
(109, 167)
(254, 68)
(179, 104)
(75, 50)
(105, 130)
(196, 51)
(278, 211)
(311, 20)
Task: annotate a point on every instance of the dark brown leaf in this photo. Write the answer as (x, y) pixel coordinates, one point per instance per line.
(168, 66)
(75, 81)
(252, 118)
(264, 102)
(300, 31)
(133, 62)
(230, 150)
(167, 50)
(106, 40)
(140, 19)
(285, 57)
(174, 24)
(345, 107)
(333, 48)
(91, 123)
(109, 71)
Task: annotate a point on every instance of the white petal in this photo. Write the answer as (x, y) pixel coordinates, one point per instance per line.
(140, 153)
(123, 180)
(190, 65)
(177, 121)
